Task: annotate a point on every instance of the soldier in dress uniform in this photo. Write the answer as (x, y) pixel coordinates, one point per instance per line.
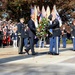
(20, 31)
(56, 33)
(73, 33)
(51, 38)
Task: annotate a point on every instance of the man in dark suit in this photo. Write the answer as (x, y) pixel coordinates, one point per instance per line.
(32, 33)
(20, 30)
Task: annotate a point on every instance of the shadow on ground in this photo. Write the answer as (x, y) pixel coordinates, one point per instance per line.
(19, 57)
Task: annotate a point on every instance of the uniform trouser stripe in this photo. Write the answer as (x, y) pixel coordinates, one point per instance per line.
(57, 50)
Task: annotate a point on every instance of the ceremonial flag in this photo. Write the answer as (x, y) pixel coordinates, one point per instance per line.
(57, 15)
(43, 12)
(47, 12)
(35, 14)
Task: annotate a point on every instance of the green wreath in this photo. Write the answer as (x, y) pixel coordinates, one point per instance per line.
(42, 30)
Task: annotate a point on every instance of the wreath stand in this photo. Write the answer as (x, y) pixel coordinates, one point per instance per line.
(40, 42)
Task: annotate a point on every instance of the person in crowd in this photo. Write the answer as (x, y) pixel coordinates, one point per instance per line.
(64, 35)
(20, 31)
(14, 37)
(32, 33)
(5, 33)
(73, 33)
(1, 36)
(55, 36)
(26, 35)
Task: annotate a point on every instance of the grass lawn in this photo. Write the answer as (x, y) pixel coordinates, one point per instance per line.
(67, 41)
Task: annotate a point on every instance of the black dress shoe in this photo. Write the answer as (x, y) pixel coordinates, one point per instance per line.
(27, 51)
(64, 47)
(49, 53)
(73, 50)
(21, 53)
(56, 54)
(34, 53)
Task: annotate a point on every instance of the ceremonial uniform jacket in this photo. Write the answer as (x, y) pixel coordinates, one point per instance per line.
(55, 27)
(20, 30)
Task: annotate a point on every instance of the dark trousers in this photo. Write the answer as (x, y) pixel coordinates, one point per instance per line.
(20, 45)
(64, 42)
(0, 43)
(31, 46)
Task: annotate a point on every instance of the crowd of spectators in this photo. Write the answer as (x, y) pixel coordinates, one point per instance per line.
(7, 28)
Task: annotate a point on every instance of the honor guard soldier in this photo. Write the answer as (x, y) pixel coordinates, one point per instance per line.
(20, 30)
(56, 33)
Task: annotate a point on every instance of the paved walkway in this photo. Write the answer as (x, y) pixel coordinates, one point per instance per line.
(11, 63)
